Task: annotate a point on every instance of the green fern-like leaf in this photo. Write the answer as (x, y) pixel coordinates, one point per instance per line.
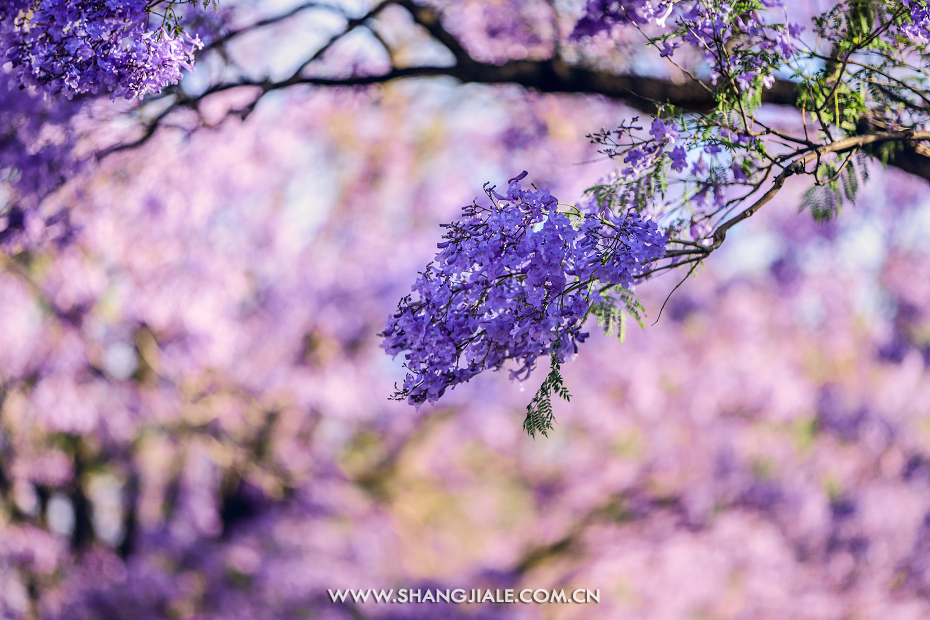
(821, 201)
(633, 306)
(612, 312)
(826, 201)
(539, 417)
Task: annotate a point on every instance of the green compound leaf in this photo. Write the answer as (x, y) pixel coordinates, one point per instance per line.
(539, 416)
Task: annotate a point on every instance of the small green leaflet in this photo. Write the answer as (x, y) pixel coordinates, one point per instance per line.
(611, 312)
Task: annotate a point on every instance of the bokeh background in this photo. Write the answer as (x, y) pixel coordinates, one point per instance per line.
(195, 419)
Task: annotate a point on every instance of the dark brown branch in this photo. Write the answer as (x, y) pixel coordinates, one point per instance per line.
(798, 167)
(913, 159)
(551, 75)
(909, 138)
(226, 38)
(545, 76)
(430, 20)
(351, 25)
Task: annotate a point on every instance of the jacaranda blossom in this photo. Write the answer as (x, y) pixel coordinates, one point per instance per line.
(512, 282)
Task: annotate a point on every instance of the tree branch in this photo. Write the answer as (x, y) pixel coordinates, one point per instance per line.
(548, 75)
(798, 167)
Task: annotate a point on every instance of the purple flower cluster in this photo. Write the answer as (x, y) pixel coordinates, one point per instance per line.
(513, 281)
(73, 47)
(919, 26)
(641, 159)
(707, 161)
(704, 27)
(602, 15)
(706, 30)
